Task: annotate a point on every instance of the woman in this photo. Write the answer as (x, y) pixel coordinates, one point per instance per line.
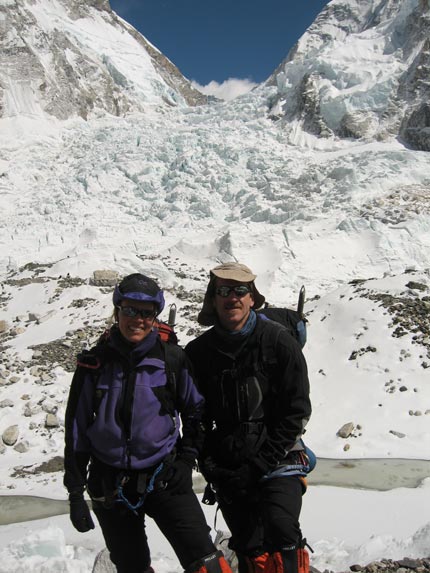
(129, 396)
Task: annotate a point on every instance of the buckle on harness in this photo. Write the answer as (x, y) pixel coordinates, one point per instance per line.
(251, 427)
(121, 498)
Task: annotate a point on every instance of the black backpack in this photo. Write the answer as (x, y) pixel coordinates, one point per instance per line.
(293, 320)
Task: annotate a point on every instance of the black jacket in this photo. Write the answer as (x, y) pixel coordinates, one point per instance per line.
(257, 394)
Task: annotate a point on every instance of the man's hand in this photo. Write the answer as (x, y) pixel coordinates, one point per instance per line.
(237, 482)
(80, 515)
(243, 480)
(214, 473)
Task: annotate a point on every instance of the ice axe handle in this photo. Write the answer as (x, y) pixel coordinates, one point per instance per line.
(172, 315)
(301, 301)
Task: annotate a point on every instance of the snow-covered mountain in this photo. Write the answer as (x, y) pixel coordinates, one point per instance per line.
(361, 71)
(107, 164)
(66, 58)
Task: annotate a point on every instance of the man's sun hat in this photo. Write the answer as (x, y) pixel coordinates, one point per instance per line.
(141, 288)
(235, 272)
(231, 271)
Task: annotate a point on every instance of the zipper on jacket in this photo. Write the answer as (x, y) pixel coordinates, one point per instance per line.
(126, 410)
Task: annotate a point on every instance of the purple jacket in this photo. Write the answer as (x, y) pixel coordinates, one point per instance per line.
(127, 412)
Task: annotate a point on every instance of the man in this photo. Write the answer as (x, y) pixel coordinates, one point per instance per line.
(254, 379)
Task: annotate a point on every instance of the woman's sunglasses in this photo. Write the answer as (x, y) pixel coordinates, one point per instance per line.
(133, 312)
(239, 290)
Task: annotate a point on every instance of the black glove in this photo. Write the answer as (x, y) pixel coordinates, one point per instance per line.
(80, 515)
(243, 480)
(235, 450)
(214, 473)
(177, 477)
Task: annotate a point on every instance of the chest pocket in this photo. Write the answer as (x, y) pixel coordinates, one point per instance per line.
(243, 393)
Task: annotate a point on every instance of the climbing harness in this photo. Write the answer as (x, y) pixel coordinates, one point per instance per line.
(121, 498)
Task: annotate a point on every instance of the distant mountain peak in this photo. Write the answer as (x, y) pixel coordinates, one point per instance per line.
(77, 58)
(361, 71)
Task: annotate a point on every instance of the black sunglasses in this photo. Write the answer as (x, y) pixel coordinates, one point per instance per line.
(133, 312)
(239, 290)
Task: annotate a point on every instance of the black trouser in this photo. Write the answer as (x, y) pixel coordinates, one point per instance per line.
(179, 517)
(266, 520)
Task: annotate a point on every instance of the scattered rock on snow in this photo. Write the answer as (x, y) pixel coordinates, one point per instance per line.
(405, 565)
(33, 317)
(356, 353)
(30, 409)
(51, 421)
(417, 286)
(397, 434)
(346, 430)
(104, 278)
(17, 330)
(10, 435)
(22, 447)
(56, 464)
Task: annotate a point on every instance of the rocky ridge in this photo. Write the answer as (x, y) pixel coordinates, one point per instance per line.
(410, 311)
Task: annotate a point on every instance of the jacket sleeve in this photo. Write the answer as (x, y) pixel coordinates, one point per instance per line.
(191, 408)
(79, 413)
(292, 406)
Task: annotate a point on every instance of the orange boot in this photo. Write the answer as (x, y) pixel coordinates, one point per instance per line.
(212, 563)
(289, 561)
(257, 564)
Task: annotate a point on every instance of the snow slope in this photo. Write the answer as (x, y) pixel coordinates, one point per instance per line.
(171, 192)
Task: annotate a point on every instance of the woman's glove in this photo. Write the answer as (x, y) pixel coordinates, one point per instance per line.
(177, 477)
(80, 515)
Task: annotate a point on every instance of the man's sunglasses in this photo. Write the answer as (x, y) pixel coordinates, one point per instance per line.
(239, 290)
(133, 312)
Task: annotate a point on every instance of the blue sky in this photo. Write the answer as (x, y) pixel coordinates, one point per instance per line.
(215, 40)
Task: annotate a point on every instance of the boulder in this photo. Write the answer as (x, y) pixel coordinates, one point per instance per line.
(346, 430)
(104, 278)
(10, 435)
(51, 421)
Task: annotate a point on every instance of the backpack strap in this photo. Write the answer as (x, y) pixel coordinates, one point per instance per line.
(173, 358)
(91, 362)
(268, 342)
(174, 361)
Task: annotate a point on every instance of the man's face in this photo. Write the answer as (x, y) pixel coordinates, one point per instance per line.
(232, 310)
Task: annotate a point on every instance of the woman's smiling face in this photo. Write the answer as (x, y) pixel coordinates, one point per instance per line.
(135, 328)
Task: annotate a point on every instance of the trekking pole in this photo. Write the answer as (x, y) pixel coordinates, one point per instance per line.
(301, 301)
(171, 321)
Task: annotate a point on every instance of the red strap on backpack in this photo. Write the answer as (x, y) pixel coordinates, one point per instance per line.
(166, 332)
